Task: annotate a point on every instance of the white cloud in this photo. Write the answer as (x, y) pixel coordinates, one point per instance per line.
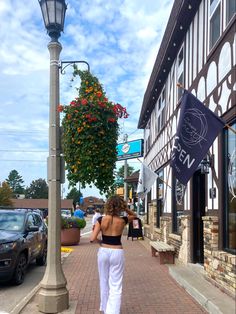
(118, 38)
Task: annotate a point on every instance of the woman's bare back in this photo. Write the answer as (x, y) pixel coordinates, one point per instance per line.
(112, 225)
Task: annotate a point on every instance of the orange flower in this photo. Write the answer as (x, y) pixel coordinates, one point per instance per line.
(99, 94)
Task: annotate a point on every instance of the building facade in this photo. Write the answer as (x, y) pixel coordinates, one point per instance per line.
(198, 51)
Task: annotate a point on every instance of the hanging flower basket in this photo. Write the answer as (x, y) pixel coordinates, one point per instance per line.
(90, 134)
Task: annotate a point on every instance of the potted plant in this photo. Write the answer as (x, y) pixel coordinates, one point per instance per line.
(70, 230)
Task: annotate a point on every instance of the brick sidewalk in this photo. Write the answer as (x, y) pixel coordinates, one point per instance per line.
(147, 286)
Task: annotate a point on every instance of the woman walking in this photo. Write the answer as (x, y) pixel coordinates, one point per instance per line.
(111, 254)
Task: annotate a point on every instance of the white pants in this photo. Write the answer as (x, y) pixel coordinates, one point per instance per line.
(110, 268)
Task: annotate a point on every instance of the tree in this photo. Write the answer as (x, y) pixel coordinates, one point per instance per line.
(120, 172)
(15, 182)
(75, 195)
(37, 189)
(120, 175)
(5, 195)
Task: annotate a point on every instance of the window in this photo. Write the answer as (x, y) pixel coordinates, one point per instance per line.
(230, 9)
(160, 192)
(215, 13)
(178, 191)
(160, 111)
(147, 137)
(38, 220)
(31, 221)
(230, 190)
(149, 199)
(180, 71)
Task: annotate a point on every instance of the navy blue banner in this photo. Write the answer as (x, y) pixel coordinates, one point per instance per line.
(197, 129)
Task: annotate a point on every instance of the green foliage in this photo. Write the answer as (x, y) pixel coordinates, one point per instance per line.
(15, 182)
(37, 189)
(5, 195)
(75, 195)
(90, 134)
(120, 172)
(120, 176)
(72, 222)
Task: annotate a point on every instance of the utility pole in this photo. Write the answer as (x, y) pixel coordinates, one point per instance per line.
(125, 173)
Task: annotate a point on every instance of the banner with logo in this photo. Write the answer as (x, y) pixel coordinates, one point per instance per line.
(197, 129)
(146, 179)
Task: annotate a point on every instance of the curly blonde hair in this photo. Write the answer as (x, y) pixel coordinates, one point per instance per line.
(115, 205)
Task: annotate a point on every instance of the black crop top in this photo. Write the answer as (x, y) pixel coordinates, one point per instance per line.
(112, 240)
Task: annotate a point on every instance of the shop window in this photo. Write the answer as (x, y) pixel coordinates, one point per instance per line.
(230, 190)
(178, 190)
(230, 9)
(160, 194)
(215, 14)
(149, 199)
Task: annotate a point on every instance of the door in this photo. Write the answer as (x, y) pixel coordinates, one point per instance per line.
(198, 206)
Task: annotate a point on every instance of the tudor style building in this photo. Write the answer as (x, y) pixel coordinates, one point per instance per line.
(198, 51)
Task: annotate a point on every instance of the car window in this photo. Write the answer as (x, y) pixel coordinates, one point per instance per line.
(11, 221)
(30, 221)
(38, 220)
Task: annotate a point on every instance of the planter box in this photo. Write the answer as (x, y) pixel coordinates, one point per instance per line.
(70, 236)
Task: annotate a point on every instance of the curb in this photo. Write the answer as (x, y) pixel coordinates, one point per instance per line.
(195, 293)
(22, 304)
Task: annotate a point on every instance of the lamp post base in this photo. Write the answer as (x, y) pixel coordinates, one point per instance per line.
(53, 300)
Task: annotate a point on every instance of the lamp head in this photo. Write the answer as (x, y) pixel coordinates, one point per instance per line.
(53, 12)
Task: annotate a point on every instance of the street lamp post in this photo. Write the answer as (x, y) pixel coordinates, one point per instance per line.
(53, 296)
(125, 173)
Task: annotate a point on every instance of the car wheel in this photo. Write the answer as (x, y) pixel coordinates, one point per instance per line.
(43, 258)
(19, 273)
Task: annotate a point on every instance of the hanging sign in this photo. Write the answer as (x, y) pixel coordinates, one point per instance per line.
(131, 149)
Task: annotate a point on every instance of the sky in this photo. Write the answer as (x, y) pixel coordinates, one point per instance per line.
(118, 38)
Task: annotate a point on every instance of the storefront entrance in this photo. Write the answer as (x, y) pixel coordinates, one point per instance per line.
(198, 211)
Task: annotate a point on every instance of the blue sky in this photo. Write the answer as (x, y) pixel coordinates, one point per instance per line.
(118, 38)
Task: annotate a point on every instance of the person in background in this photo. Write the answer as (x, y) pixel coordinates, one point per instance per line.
(78, 212)
(96, 215)
(111, 254)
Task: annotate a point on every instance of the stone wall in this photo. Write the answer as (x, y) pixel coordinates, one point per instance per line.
(220, 266)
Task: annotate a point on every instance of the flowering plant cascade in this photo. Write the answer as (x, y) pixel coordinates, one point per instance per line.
(90, 134)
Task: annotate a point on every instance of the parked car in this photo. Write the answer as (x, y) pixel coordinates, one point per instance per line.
(66, 213)
(23, 238)
(90, 210)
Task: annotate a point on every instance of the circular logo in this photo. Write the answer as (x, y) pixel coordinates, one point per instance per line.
(179, 192)
(125, 148)
(194, 127)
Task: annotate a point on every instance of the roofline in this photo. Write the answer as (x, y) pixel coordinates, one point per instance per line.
(182, 10)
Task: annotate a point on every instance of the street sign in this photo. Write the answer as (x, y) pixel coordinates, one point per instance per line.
(131, 149)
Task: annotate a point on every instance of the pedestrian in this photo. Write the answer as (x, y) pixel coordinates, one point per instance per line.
(96, 215)
(111, 254)
(78, 212)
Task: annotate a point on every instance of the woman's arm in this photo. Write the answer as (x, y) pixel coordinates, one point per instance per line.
(95, 232)
(131, 215)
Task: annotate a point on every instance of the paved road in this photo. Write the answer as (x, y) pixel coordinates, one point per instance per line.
(10, 295)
